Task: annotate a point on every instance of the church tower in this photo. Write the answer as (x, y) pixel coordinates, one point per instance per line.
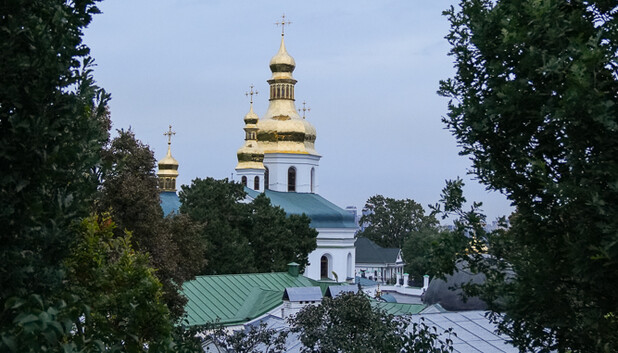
(168, 167)
(250, 167)
(286, 159)
(287, 139)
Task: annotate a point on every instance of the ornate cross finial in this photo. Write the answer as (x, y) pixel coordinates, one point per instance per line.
(251, 93)
(169, 134)
(283, 23)
(304, 109)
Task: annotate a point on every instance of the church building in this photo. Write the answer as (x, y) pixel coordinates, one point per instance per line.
(278, 158)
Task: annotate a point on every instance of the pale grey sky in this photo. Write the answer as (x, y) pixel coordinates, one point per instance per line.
(369, 71)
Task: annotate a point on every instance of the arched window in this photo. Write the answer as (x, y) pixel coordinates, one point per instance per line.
(312, 179)
(349, 269)
(266, 178)
(256, 183)
(324, 267)
(243, 180)
(292, 179)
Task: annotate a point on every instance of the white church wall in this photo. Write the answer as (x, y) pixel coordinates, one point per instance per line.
(337, 244)
(251, 174)
(278, 165)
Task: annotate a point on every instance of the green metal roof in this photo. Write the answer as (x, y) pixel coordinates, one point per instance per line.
(323, 213)
(399, 308)
(235, 299)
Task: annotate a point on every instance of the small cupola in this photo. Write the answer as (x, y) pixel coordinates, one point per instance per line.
(168, 167)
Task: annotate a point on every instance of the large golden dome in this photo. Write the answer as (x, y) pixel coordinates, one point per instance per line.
(281, 129)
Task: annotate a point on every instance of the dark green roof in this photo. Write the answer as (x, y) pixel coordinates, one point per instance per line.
(235, 299)
(323, 213)
(368, 252)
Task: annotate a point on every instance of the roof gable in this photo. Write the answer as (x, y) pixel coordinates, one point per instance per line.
(297, 294)
(368, 252)
(334, 291)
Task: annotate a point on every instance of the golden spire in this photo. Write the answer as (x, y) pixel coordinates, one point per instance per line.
(168, 166)
(303, 109)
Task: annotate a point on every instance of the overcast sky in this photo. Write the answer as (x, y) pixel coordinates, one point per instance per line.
(369, 71)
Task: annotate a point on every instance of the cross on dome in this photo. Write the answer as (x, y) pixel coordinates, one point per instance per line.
(304, 109)
(283, 23)
(169, 134)
(251, 93)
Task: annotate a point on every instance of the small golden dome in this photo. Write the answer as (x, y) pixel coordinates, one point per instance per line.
(168, 166)
(251, 117)
(250, 155)
(282, 61)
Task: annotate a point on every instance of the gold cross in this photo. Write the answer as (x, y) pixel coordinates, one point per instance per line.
(251, 93)
(169, 135)
(283, 23)
(304, 109)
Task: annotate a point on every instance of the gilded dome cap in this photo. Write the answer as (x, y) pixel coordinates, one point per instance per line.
(168, 165)
(282, 61)
(251, 117)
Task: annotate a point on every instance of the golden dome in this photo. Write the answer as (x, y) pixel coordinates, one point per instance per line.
(168, 166)
(282, 61)
(251, 117)
(281, 129)
(250, 155)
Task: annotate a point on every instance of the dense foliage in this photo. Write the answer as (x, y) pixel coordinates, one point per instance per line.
(53, 123)
(349, 323)
(245, 237)
(534, 105)
(388, 222)
(119, 288)
(257, 338)
(129, 192)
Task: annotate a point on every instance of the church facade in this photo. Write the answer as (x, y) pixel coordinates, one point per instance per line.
(278, 158)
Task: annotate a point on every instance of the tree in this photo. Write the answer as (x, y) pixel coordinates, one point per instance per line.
(534, 107)
(53, 123)
(216, 206)
(421, 251)
(245, 238)
(349, 323)
(277, 240)
(118, 286)
(390, 221)
(254, 339)
(129, 192)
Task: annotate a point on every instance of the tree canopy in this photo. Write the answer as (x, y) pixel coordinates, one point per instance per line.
(389, 221)
(53, 124)
(245, 237)
(349, 323)
(129, 192)
(534, 105)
